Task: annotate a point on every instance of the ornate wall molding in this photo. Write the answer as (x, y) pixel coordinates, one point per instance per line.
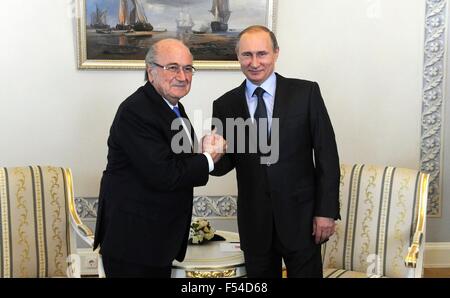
(433, 97)
(86, 207)
(211, 206)
(224, 206)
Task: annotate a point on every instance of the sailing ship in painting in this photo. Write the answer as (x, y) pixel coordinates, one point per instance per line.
(221, 12)
(98, 19)
(133, 19)
(209, 38)
(184, 22)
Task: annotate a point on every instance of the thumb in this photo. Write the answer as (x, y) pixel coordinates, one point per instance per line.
(213, 134)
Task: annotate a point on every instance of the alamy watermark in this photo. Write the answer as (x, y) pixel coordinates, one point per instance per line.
(243, 136)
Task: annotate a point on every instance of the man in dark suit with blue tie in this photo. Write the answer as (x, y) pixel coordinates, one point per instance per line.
(288, 203)
(146, 192)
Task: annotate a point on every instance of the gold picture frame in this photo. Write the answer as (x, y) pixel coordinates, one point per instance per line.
(101, 45)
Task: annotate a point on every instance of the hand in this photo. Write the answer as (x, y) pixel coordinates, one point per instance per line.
(323, 228)
(215, 145)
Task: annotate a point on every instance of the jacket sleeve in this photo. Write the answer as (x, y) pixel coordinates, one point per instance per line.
(149, 151)
(226, 163)
(327, 169)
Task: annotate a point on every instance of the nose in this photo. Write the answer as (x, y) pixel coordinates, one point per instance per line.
(254, 62)
(181, 76)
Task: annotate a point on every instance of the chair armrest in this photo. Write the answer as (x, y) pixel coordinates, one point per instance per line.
(418, 237)
(413, 252)
(81, 229)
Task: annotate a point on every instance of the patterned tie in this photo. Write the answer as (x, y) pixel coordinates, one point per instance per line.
(177, 111)
(261, 111)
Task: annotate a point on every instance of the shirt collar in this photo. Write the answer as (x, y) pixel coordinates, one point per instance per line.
(269, 85)
(171, 106)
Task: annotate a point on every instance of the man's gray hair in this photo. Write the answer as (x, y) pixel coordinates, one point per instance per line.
(153, 53)
(149, 59)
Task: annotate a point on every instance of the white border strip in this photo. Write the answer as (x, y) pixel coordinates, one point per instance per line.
(437, 255)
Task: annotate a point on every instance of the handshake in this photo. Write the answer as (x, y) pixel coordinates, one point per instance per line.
(215, 145)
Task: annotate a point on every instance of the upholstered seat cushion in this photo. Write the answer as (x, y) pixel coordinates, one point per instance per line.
(341, 273)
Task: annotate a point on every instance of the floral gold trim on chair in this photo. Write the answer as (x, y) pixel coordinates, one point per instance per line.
(23, 222)
(57, 220)
(399, 223)
(211, 274)
(368, 216)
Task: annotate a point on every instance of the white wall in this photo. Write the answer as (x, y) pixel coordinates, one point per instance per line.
(52, 113)
(366, 56)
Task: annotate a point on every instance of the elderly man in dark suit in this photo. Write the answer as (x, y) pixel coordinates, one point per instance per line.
(146, 192)
(287, 198)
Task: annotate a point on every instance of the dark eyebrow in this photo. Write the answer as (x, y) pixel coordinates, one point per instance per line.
(256, 53)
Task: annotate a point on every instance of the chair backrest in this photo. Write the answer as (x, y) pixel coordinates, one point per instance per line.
(34, 221)
(381, 208)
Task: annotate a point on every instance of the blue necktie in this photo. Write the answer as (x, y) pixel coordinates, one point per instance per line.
(261, 111)
(177, 111)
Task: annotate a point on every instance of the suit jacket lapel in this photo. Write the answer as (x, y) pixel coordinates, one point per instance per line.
(240, 110)
(281, 100)
(164, 110)
(240, 107)
(194, 146)
(167, 113)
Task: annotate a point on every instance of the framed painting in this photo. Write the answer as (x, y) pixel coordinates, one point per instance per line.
(116, 34)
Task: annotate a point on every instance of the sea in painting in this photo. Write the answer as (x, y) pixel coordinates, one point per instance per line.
(131, 46)
(125, 29)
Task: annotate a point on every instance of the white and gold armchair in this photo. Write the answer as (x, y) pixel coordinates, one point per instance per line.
(39, 223)
(382, 231)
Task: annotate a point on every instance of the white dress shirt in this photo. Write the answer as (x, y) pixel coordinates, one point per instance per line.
(270, 86)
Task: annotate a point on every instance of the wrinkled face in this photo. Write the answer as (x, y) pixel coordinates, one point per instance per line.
(171, 85)
(257, 56)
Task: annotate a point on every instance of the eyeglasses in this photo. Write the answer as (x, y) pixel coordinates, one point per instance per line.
(175, 68)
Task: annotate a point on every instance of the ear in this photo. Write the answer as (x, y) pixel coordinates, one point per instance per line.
(150, 74)
(276, 53)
